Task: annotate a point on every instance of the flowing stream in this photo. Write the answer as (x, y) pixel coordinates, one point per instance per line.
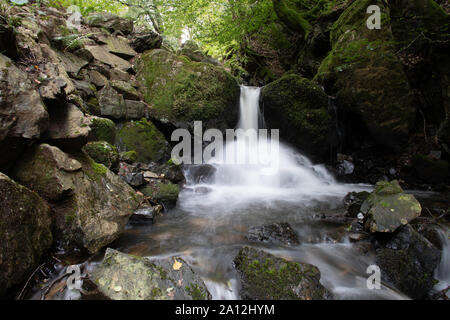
(209, 225)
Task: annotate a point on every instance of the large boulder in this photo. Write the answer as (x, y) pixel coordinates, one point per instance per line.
(387, 207)
(23, 117)
(364, 73)
(299, 108)
(91, 205)
(408, 261)
(124, 277)
(180, 91)
(25, 232)
(266, 277)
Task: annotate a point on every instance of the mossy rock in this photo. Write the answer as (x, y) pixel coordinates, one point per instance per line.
(180, 91)
(364, 73)
(165, 193)
(298, 107)
(143, 137)
(103, 129)
(102, 152)
(267, 277)
(128, 156)
(430, 170)
(125, 277)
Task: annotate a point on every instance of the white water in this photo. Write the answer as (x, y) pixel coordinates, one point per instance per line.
(442, 273)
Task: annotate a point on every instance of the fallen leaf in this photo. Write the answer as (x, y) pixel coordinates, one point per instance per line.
(177, 265)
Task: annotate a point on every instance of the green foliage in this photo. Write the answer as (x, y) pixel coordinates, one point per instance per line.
(89, 6)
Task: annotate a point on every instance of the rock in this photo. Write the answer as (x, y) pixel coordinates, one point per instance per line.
(143, 137)
(103, 129)
(430, 170)
(102, 54)
(111, 103)
(91, 205)
(191, 50)
(128, 156)
(135, 179)
(118, 45)
(388, 208)
(25, 232)
(125, 277)
(110, 22)
(346, 167)
(299, 108)
(146, 215)
(353, 202)
(136, 109)
(164, 193)
(126, 89)
(201, 173)
(72, 63)
(408, 261)
(102, 152)
(116, 74)
(180, 91)
(148, 40)
(85, 89)
(266, 277)
(23, 116)
(276, 233)
(169, 170)
(69, 128)
(97, 78)
(365, 75)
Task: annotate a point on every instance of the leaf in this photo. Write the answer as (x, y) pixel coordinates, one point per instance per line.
(177, 265)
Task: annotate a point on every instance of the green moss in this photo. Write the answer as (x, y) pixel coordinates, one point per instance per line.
(129, 156)
(196, 292)
(104, 130)
(102, 152)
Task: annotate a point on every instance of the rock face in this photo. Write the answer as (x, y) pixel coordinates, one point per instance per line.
(366, 76)
(125, 277)
(91, 206)
(266, 277)
(276, 233)
(23, 116)
(25, 232)
(388, 208)
(180, 91)
(146, 41)
(298, 107)
(408, 260)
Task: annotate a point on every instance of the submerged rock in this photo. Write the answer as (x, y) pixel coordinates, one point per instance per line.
(277, 233)
(91, 205)
(388, 208)
(25, 232)
(125, 277)
(266, 277)
(408, 260)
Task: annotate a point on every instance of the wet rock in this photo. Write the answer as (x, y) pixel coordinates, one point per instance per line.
(388, 208)
(353, 202)
(346, 167)
(135, 179)
(110, 22)
(23, 116)
(91, 205)
(408, 260)
(111, 103)
(148, 40)
(102, 54)
(202, 173)
(125, 277)
(267, 277)
(102, 152)
(168, 170)
(69, 128)
(146, 215)
(25, 232)
(276, 233)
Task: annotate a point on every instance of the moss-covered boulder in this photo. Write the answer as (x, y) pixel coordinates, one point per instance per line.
(143, 137)
(266, 277)
(408, 261)
(298, 107)
(387, 207)
(91, 205)
(164, 193)
(124, 277)
(364, 73)
(180, 91)
(430, 170)
(103, 129)
(128, 156)
(25, 232)
(102, 152)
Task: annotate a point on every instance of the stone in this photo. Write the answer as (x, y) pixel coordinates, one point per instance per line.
(135, 110)
(143, 279)
(102, 129)
(91, 205)
(134, 179)
(267, 277)
(110, 22)
(72, 63)
(144, 41)
(163, 193)
(112, 104)
(146, 215)
(102, 152)
(102, 54)
(69, 128)
(97, 78)
(353, 202)
(126, 89)
(25, 232)
(275, 233)
(118, 45)
(191, 50)
(387, 207)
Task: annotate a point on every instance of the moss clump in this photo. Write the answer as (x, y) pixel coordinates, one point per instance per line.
(128, 156)
(103, 129)
(145, 139)
(102, 152)
(165, 193)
